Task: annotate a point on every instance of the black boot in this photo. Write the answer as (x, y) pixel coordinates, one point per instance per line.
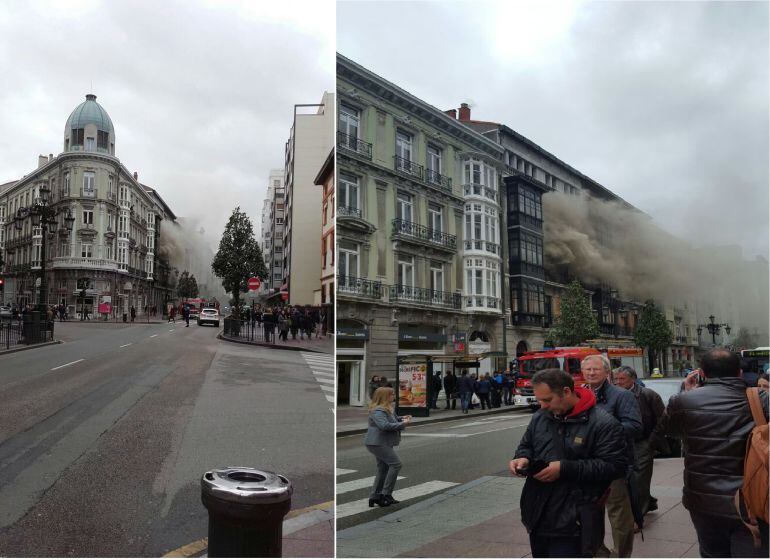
(391, 499)
(375, 501)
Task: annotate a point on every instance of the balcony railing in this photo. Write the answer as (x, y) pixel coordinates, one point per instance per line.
(486, 302)
(480, 190)
(436, 178)
(408, 167)
(83, 262)
(425, 296)
(354, 144)
(482, 245)
(410, 229)
(349, 211)
(358, 286)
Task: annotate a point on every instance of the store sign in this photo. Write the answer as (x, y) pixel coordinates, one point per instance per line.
(352, 333)
(420, 336)
(412, 384)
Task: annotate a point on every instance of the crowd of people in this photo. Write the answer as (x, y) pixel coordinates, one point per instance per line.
(283, 321)
(590, 449)
(486, 390)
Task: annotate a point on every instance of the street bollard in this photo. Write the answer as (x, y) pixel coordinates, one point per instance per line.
(246, 509)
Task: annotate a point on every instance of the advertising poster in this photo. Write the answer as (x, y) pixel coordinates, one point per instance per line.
(105, 308)
(412, 385)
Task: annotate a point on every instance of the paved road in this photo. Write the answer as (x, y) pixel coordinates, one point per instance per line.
(435, 457)
(103, 439)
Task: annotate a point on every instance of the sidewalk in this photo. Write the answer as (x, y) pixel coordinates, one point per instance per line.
(351, 420)
(482, 519)
(324, 344)
(307, 533)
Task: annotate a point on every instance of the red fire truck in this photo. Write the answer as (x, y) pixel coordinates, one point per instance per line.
(567, 359)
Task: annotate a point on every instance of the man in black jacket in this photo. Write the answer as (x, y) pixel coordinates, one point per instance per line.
(714, 422)
(450, 389)
(623, 406)
(570, 453)
(651, 408)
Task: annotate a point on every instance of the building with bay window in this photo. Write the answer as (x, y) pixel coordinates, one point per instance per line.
(419, 257)
(111, 254)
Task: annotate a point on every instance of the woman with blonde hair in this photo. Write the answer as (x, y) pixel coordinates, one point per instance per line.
(383, 435)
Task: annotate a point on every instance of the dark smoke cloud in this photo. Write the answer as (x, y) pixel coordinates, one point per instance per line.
(600, 241)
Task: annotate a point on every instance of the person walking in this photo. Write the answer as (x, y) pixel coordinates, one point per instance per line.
(382, 435)
(483, 388)
(570, 453)
(133, 314)
(506, 389)
(186, 315)
(450, 389)
(622, 405)
(283, 326)
(714, 421)
(465, 388)
(651, 408)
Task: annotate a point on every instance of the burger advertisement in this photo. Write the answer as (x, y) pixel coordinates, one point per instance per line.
(412, 385)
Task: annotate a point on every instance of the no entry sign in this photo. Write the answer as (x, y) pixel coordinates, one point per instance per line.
(254, 283)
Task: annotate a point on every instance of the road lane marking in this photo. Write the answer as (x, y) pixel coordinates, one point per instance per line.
(124, 345)
(69, 364)
(153, 335)
(360, 506)
(171, 330)
(358, 484)
(341, 472)
(450, 435)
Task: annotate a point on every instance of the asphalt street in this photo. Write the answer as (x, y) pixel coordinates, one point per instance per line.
(104, 438)
(435, 457)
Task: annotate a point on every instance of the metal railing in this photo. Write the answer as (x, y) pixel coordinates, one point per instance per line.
(482, 245)
(25, 331)
(426, 296)
(350, 211)
(484, 302)
(358, 286)
(480, 190)
(354, 144)
(436, 178)
(411, 229)
(251, 331)
(408, 167)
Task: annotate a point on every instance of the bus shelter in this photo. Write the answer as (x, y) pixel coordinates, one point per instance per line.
(414, 378)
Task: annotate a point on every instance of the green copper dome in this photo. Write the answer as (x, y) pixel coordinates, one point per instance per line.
(90, 112)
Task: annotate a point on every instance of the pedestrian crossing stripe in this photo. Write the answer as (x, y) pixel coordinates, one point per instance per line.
(322, 369)
(329, 398)
(342, 472)
(358, 484)
(410, 493)
(325, 388)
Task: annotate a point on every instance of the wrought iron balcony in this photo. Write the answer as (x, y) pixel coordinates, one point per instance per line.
(358, 287)
(424, 233)
(408, 167)
(354, 144)
(480, 190)
(348, 211)
(436, 178)
(425, 296)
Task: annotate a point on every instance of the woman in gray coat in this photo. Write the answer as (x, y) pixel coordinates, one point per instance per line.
(383, 435)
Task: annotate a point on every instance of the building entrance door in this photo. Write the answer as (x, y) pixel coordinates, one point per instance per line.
(350, 382)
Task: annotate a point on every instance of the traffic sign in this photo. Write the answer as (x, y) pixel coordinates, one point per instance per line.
(254, 283)
(285, 296)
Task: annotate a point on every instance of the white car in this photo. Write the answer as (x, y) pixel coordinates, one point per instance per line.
(209, 315)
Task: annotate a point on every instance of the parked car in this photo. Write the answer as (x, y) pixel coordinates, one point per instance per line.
(209, 315)
(666, 388)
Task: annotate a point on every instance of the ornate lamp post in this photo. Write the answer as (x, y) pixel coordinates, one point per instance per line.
(713, 328)
(47, 219)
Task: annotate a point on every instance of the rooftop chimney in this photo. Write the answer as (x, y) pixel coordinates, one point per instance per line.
(41, 161)
(465, 112)
(50, 157)
(136, 176)
(452, 113)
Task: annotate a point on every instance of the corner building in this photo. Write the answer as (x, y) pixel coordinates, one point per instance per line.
(419, 264)
(111, 251)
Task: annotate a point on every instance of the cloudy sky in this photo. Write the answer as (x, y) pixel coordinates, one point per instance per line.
(201, 93)
(665, 103)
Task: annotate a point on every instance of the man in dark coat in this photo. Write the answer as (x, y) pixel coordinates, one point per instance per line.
(714, 421)
(651, 408)
(622, 405)
(570, 453)
(465, 388)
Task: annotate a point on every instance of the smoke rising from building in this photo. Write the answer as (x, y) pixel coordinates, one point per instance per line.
(608, 242)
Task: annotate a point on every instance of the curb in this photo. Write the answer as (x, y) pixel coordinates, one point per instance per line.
(29, 347)
(221, 336)
(295, 520)
(520, 408)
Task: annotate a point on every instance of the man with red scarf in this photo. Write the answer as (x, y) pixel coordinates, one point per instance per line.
(570, 453)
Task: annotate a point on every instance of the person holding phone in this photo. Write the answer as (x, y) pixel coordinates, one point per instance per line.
(383, 434)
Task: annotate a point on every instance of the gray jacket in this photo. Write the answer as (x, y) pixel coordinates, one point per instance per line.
(384, 428)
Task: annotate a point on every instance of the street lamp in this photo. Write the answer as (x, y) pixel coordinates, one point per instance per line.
(47, 219)
(713, 329)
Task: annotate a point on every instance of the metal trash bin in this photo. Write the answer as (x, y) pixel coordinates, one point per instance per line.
(246, 509)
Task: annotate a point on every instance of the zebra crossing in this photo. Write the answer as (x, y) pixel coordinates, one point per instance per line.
(322, 368)
(402, 494)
